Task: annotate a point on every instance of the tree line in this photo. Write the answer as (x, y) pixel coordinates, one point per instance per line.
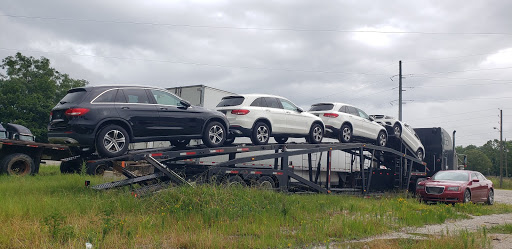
(486, 158)
(29, 89)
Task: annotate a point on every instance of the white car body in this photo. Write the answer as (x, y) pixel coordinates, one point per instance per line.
(336, 115)
(406, 132)
(284, 119)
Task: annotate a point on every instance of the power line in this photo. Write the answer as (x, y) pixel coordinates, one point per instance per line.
(251, 28)
(461, 71)
(195, 63)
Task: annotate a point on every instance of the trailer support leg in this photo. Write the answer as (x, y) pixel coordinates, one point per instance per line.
(361, 166)
(328, 173)
(310, 167)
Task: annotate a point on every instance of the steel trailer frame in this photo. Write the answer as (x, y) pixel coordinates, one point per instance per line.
(167, 157)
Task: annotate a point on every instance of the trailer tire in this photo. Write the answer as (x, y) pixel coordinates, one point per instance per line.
(180, 143)
(71, 167)
(97, 168)
(18, 164)
(266, 182)
(280, 139)
(234, 181)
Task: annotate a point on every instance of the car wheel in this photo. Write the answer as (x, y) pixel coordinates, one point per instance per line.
(382, 139)
(112, 141)
(419, 154)
(17, 164)
(345, 133)
(266, 182)
(280, 139)
(490, 197)
(467, 196)
(214, 134)
(260, 134)
(316, 134)
(180, 143)
(397, 129)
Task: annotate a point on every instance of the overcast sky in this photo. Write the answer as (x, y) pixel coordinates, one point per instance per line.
(456, 55)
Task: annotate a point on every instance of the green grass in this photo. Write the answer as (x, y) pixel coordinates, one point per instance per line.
(54, 210)
(503, 229)
(507, 182)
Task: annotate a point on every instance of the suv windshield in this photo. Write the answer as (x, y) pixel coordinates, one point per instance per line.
(321, 107)
(460, 176)
(231, 101)
(73, 96)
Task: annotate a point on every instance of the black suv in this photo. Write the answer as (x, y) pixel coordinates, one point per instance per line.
(108, 118)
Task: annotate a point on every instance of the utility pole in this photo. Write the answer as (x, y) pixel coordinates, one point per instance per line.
(501, 148)
(400, 90)
(506, 158)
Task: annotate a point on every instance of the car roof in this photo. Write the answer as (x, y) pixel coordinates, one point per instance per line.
(90, 88)
(257, 95)
(334, 103)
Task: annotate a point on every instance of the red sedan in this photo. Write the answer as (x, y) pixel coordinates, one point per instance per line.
(456, 186)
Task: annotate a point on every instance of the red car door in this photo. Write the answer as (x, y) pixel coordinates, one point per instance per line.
(478, 188)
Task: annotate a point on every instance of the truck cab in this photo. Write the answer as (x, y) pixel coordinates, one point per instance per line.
(16, 132)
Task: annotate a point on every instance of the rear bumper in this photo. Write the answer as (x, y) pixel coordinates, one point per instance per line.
(239, 131)
(74, 135)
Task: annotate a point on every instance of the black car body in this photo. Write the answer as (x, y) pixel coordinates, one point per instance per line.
(439, 154)
(131, 114)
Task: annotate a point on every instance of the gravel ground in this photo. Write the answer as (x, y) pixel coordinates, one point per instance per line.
(498, 240)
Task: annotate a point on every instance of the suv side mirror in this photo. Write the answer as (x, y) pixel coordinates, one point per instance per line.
(476, 180)
(300, 109)
(185, 103)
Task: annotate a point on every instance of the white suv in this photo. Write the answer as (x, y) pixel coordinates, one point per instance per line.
(348, 123)
(260, 117)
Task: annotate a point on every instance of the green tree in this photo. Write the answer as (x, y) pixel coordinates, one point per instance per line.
(29, 89)
(478, 161)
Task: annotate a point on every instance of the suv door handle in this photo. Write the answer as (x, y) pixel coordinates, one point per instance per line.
(125, 107)
(163, 108)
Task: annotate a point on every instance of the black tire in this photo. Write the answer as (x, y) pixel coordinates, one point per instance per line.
(316, 134)
(397, 129)
(180, 143)
(112, 141)
(420, 155)
(71, 167)
(467, 196)
(260, 133)
(345, 133)
(97, 168)
(214, 134)
(234, 181)
(281, 139)
(266, 182)
(382, 139)
(490, 197)
(229, 141)
(18, 164)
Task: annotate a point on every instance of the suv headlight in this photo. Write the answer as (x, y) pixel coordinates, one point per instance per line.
(453, 188)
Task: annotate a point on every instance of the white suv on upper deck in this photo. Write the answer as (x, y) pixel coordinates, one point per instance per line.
(261, 116)
(348, 123)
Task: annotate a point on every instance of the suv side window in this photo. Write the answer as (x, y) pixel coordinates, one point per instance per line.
(352, 110)
(287, 105)
(273, 103)
(344, 109)
(108, 96)
(164, 98)
(136, 95)
(259, 102)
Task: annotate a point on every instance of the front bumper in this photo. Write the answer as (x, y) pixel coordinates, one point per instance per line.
(451, 197)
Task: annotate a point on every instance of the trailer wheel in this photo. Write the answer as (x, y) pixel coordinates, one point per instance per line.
(97, 168)
(71, 167)
(235, 181)
(180, 143)
(266, 182)
(18, 164)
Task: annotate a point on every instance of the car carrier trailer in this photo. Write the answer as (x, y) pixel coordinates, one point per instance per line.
(170, 167)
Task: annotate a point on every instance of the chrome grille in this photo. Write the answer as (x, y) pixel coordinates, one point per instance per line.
(434, 190)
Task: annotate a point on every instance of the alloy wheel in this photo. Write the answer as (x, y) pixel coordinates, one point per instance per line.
(262, 134)
(346, 134)
(215, 134)
(114, 141)
(382, 139)
(317, 133)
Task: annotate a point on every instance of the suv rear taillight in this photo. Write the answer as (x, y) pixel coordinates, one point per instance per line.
(76, 112)
(331, 115)
(240, 112)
